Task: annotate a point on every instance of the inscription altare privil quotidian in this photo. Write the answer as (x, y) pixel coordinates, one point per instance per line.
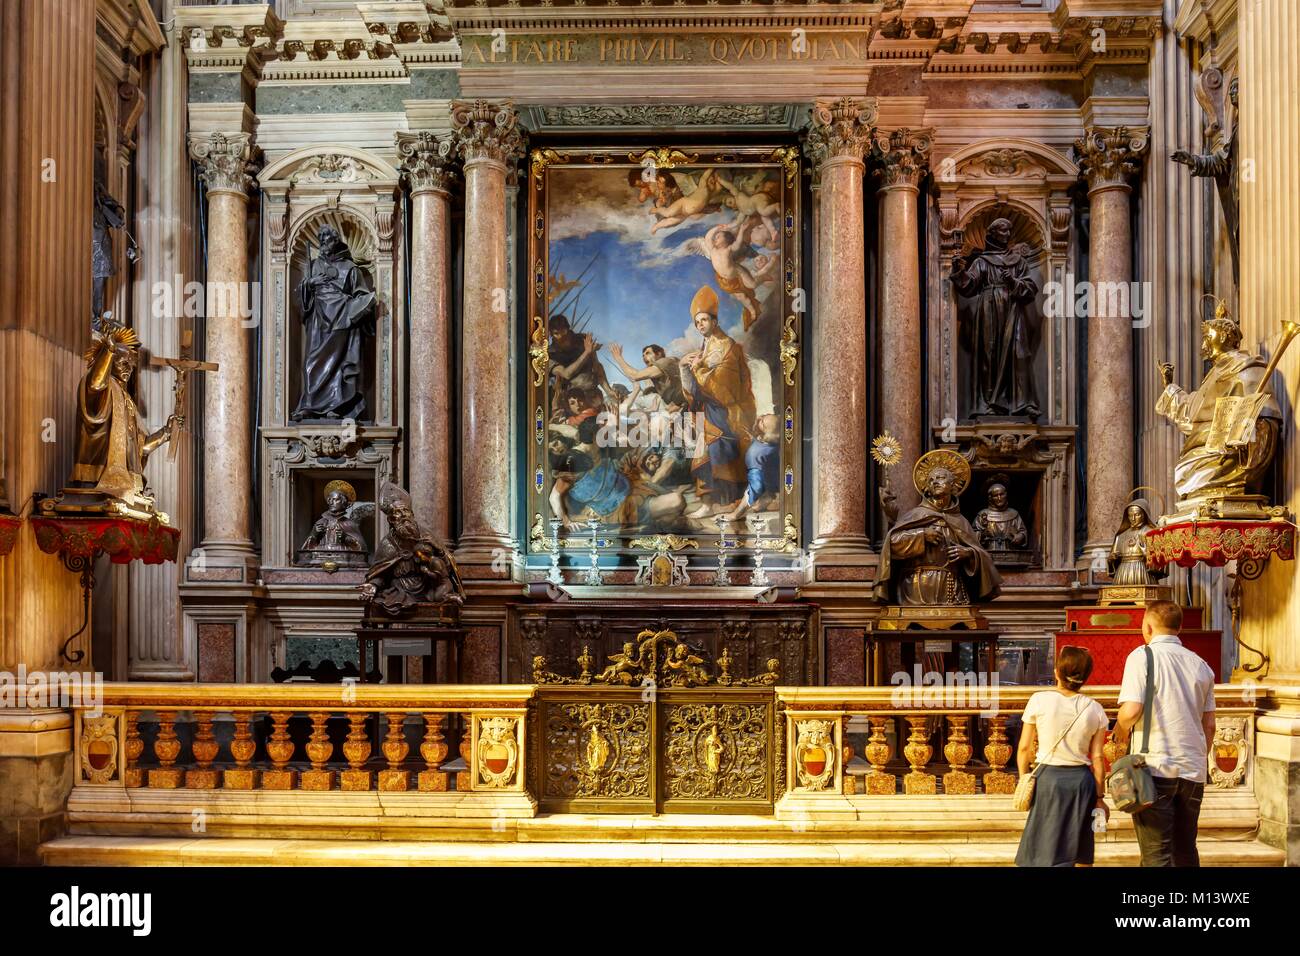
(728, 49)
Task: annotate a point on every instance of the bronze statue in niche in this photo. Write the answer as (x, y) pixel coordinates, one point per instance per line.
(338, 312)
(1000, 326)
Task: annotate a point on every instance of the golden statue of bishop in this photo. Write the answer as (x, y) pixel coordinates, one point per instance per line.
(112, 446)
(1231, 423)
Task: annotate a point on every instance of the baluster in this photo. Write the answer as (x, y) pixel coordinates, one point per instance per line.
(850, 782)
(878, 752)
(242, 776)
(1112, 750)
(166, 748)
(918, 753)
(205, 749)
(463, 777)
(958, 751)
(134, 776)
(434, 750)
(280, 749)
(319, 749)
(997, 752)
(395, 749)
(356, 748)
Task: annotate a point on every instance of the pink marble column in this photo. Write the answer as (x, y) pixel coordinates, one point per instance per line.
(487, 137)
(1108, 156)
(428, 169)
(903, 155)
(224, 165)
(837, 142)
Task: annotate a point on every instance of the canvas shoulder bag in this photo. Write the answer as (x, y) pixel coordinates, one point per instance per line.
(1024, 796)
(1129, 785)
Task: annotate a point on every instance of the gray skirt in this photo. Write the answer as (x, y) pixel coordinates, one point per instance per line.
(1059, 829)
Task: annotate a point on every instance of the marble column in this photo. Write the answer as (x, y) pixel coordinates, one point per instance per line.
(224, 161)
(46, 175)
(1268, 36)
(1108, 157)
(155, 649)
(837, 141)
(903, 155)
(428, 169)
(487, 137)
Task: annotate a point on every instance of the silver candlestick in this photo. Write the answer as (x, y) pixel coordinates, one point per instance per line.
(720, 577)
(593, 575)
(554, 576)
(758, 525)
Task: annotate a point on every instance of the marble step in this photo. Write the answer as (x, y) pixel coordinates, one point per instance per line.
(173, 851)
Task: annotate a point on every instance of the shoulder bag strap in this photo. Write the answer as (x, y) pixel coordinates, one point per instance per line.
(1148, 699)
(1077, 713)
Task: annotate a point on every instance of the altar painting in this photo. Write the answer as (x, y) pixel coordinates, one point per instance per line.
(665, 342)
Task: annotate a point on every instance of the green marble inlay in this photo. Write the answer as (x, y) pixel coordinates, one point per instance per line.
(332, 98)
(434, 84)
(216, 88)
(340, 650)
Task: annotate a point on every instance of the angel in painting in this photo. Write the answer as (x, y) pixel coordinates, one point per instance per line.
(700, 201)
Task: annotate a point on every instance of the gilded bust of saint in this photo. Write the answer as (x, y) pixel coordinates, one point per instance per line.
(336, 536)
(1128, 552)
(1000, 527)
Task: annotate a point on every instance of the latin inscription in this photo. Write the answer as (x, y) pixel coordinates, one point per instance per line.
(733, 49)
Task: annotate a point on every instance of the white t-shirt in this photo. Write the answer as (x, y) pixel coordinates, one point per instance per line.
(1184, 694)
(1050, 712)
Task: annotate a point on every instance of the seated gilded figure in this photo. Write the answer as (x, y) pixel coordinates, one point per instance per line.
(1000, 526)
(932, 556)
(111, 444)
(336, 539)
(411, 572)
(1231, 423)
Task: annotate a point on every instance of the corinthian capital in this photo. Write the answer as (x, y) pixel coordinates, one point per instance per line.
(225, 160)
(903, 154)
(427, 162)
(483, 130)
(838, 129)
(1108, 155)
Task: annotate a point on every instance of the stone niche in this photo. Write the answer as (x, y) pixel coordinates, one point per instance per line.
(358, 194)
(1028, 184)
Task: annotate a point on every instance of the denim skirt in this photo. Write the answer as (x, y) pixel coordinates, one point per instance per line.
(1059, 829)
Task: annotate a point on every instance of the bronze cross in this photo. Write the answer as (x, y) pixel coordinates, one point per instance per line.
(183, 366)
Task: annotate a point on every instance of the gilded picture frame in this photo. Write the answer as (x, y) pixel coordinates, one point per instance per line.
(665, 334)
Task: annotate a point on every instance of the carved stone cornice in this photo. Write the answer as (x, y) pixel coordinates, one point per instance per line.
(483, 131)
(1109, 155)
(225, 160)
(840, 129)
(904, 156)
(427, 162)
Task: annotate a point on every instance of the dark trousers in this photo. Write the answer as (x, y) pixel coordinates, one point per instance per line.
(1166, 831)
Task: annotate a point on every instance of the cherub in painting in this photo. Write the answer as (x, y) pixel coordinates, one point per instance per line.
(755, 196)
(726, 246)
(699, 202)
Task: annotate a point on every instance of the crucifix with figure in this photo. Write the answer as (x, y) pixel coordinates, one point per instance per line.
(183, 365)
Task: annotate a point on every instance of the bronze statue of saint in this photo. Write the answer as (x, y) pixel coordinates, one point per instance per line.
(1231, 421)
(1220, 164)
(1000, 329)
(1000, 527)
(932, 556)
(108, 214)
(1128, 553)
(336, 537)
(111, 445)
(410, 567)
(338, 311)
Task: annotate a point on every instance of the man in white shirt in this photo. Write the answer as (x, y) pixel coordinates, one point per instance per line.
(1182, 727)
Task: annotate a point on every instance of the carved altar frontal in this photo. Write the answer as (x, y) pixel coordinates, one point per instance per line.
(749, 634)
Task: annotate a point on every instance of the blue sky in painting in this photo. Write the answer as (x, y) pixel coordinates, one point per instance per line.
(634, 305)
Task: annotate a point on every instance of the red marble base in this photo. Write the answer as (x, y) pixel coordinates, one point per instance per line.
(1110, 633)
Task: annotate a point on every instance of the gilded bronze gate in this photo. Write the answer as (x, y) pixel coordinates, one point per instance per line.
(655, 732)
